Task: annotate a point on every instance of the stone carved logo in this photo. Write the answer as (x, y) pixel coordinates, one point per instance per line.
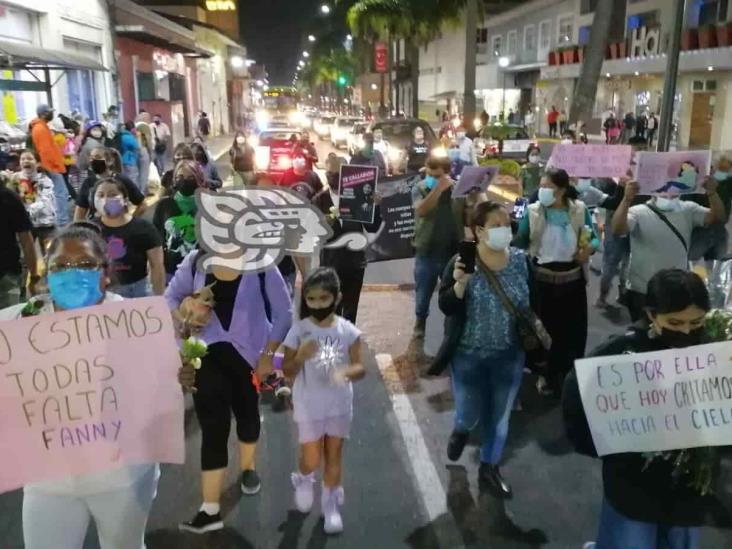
(251, 229)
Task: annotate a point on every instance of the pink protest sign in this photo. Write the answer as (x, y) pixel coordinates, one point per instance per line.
(680, 172)
(592, 160)
(89, 390)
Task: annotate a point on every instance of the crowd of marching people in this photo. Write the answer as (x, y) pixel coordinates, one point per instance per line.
(513, 292)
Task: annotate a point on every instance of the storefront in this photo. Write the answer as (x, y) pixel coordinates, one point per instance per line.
(55, 57)
(156, 59)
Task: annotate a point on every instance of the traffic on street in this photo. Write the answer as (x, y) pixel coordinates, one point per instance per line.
(426, 274)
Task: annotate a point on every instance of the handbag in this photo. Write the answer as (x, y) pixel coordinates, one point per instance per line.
(673, 229)
(531, 330)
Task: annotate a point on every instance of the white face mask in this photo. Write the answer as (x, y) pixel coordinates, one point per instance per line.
(460, 136)
(498, 238)
(534, 158)
(667, 204)
(299, 164)
(96, 134)
(583, 185)
(566, 142)
(546, 196)
(241, 140)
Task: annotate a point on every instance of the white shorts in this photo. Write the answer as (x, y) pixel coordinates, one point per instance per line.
(312, 431)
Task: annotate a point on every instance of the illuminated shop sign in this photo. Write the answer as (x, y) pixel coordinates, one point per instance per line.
(220, 5)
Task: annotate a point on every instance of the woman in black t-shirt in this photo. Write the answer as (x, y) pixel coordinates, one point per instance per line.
(133, 244)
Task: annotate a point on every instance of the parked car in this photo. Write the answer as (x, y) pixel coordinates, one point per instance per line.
(503, 141)
(323, 124)
(398, 132)
(340, 128)
(12, 141)
(273, 153)
(354, 139)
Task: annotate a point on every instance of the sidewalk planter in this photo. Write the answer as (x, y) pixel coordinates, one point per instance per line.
(689, 39)
(617, 50)
(554, 58)
(724, 34)
(707, 36)
(622, 50)
(569, 55)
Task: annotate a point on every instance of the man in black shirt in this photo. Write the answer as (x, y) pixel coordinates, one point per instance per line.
(15, 226)
(417, 152)
(100, 166)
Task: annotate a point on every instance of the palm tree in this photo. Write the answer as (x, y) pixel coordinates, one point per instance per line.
(586, 88)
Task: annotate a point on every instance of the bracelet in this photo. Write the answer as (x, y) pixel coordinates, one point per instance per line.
(268, 353)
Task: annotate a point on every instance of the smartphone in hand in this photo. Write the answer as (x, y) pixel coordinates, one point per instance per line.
(466, 252)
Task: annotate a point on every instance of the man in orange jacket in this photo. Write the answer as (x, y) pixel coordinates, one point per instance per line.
(52, 161)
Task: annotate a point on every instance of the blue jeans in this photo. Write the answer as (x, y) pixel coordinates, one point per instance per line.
(61, 194)
(615, 258)
(133, 172)
(160, 162)
(619, 532)
(129, 291)
(484, 390)
(427, 271)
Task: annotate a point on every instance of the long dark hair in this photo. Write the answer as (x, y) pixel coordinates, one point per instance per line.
(85, 232)
(560, 178)
(324, 278)
(673, 290)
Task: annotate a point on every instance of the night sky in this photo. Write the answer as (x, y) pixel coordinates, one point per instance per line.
(273, 30)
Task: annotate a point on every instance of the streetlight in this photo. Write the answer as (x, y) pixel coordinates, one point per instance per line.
(349, 37)
(325, 9)
(260, 83)
(237, 62)
(503, 62)
(305, 54)
(311, 38)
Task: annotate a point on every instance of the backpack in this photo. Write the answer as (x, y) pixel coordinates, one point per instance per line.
(262, 288)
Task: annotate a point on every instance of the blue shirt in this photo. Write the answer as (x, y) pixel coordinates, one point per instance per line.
(489, 326)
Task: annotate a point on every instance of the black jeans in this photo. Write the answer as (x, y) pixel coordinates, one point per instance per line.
(224, 385)
(351, 284)
(552, 129)
(636, 302)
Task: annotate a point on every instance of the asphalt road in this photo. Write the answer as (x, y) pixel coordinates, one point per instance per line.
(400, 489)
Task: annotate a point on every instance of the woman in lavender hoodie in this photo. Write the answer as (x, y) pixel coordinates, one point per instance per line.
(251, 316)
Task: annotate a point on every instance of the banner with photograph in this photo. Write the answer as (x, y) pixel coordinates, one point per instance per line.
(356, 189)
(682, 171)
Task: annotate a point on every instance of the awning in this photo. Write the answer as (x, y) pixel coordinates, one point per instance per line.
(15, 55)
(141, 33)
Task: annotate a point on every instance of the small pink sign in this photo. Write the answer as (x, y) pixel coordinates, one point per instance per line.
(592, 160)
(89, 390)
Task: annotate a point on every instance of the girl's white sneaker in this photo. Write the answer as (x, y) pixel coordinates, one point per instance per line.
(331, 499)
(303, 485)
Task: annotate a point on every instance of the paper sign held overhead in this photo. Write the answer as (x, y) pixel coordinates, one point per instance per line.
(89, 390)
(658, 401)
(673, 172)
(592, 160)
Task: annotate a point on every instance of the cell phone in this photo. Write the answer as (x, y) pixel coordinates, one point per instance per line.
(519, 208)
(467, 255)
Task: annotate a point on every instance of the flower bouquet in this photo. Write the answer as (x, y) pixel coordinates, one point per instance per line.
(193, 350)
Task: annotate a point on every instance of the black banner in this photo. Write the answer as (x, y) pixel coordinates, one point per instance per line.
(394, 237)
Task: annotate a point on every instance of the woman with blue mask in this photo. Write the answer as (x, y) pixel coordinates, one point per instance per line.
(481, 340)
(56, 513)
(557, 232)
(134, 245)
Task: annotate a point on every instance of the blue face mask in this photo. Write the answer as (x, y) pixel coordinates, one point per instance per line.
(720, 175)
(430, 182)
(75, 288)
(546, 196)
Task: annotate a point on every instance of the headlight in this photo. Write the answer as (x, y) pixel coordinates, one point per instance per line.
(261, 158)
(439, 152)
(262, 118)
(296, 117)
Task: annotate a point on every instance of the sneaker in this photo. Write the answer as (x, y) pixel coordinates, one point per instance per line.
(542, 386)
(330, 500)
(303, 485)
(456, 445)
(202, 523)
(601, 302)
(250, 483)
(489, 478)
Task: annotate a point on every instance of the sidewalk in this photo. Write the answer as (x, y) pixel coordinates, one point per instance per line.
(218, 146)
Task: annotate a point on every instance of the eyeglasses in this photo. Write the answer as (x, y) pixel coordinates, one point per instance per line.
(83, 265)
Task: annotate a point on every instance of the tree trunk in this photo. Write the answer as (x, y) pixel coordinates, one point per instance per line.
(397, 83)
(389, 68)
(471, 51)
(586, 89)
(413, 57)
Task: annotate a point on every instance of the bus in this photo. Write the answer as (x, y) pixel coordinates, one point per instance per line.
(280, 99)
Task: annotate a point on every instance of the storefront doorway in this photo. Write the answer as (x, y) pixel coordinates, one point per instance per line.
(702, 112)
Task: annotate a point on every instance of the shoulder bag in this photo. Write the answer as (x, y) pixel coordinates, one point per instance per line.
(531, 330)
(674, 230)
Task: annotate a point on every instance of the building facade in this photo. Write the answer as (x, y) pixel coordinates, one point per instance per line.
(58, 52)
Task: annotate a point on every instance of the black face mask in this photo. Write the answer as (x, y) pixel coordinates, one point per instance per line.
(200, 158)
(678, 340)
(98, 166)
(322, 314)
(187, 186)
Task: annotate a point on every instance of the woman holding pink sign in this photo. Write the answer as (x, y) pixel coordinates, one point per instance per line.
(56, 513)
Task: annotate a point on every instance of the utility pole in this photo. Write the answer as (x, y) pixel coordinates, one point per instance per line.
(669, 86)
